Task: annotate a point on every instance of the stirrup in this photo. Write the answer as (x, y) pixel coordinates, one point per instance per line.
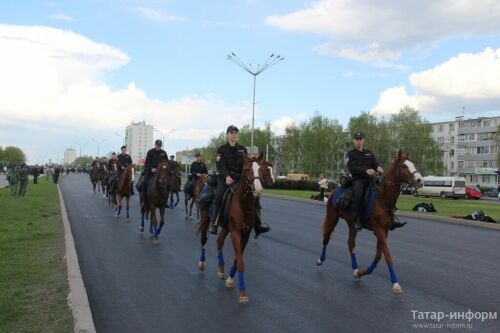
(213, 229)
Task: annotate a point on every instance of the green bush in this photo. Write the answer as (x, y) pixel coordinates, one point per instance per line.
(288, 184)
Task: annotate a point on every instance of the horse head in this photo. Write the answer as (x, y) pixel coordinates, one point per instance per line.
(161, 176)
(406, 170)
(257, 171)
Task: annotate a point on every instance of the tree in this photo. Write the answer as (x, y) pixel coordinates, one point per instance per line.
(82, 160)
(262, 139)
(13, 154)
(497, 140)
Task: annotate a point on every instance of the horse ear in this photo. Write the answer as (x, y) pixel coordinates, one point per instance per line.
(261, 156)
(400, 153)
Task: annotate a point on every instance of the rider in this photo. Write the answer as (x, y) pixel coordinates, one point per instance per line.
(362, 165)
(124, 160)
(154, 157)
(112, 168)
(197, 169)
(230, 166)
(95, 161)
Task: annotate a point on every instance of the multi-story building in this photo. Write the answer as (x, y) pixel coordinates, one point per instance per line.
(469, 149)
(139, 139)
(69, 156)
(279, 159)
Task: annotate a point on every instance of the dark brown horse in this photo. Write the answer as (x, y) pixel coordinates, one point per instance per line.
(95, 176)
(174, 185)
(241, 216)
(111, 184)
(124, 190)
(154, 197)
(380, 220)
(191, 199)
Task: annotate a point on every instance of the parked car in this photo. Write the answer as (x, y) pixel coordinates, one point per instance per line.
(491, 193)
(472, 192)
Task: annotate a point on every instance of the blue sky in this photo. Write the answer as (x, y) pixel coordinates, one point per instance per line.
(74, 71)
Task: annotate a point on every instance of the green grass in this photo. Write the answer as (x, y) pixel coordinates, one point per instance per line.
(33, 276)
(444, 207)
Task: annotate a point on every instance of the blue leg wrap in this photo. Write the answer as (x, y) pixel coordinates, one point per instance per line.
(232, 272)
(202, 256)
(323, 254)
(354, 261)
(241, 280)
(394, 278)
(220, 256)
(371, 268)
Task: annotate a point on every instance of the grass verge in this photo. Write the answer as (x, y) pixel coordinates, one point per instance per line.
(33, 275)
(444, 207)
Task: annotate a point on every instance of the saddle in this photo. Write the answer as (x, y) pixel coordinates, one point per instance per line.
(344, 196)
(188, 188)
(223, 215)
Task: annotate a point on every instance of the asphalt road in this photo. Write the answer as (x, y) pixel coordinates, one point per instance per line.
(134, 286)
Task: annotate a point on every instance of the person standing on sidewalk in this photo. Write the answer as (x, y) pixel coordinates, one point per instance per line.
(36, 173)
(23, 180)
(13, 178)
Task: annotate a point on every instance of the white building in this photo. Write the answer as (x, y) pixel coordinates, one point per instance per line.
(469, 149)
(139, 139)
(69, 156)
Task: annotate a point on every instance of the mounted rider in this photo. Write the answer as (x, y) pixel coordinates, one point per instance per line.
(123, 161)
(112, 171)
(154, 157)
(197, 169)
(230, 162)
(362, 165)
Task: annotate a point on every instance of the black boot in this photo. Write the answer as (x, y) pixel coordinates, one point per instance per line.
(213, 228)
(260, 227)
(397, 224)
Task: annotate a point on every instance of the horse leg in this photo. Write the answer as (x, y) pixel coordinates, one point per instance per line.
(378, 254)
(177, 201)
(186, 203)
(203, 230)
(162, 219)
(143, 211)
(128, 206)
(328, 225)
(154, 222)
(236, 237)
(220, 255)
(396, 288)
(118, 208)
(351, 243)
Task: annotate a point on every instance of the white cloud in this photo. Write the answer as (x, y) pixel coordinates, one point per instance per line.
(62, 17)
(470, 80)
(54, 79)
(377, 32)
(158, 15)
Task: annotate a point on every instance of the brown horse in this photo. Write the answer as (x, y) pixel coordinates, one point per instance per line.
(380, 220)
(95, 176)
(174, 185)
(155, 196)
(124, 190)
(103, 170)
(190, 199)
(241, 215)
(111, 184)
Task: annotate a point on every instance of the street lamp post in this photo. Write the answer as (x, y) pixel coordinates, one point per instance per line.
(164, 134)
(98, 143)
(272, 60)
(80, 146)
(122, 137)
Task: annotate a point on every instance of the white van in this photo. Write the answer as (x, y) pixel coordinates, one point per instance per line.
(444, 187)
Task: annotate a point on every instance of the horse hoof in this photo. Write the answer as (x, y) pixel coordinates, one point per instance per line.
(397, 288)
(243, 299)
(221, 274)
(141, 229)
(190, 218)
(355, 273)
(319, 262)
(201, 265)
(127, 221)
(185, 218)
(156, 241)
(116, 216)
(230, 282)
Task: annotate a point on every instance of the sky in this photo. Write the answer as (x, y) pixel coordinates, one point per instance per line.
(74, 73)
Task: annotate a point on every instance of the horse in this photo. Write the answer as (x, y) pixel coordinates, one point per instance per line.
(103, 173)
(174, 185)
(381, 217)
(95, 176)
(111, 185)
(241, 215)
(124, 190)
(190, 199)
(154, 196)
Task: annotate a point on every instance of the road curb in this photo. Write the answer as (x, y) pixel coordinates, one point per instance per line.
(423, 215)
(77, 298)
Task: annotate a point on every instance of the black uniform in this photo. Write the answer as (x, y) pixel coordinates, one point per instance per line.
(230, 162)
(154, 157)
(197, 167)
(358, 162)
(110, 165)
(122, 162)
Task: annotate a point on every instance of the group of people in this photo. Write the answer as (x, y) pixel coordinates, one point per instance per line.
(17, 176)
